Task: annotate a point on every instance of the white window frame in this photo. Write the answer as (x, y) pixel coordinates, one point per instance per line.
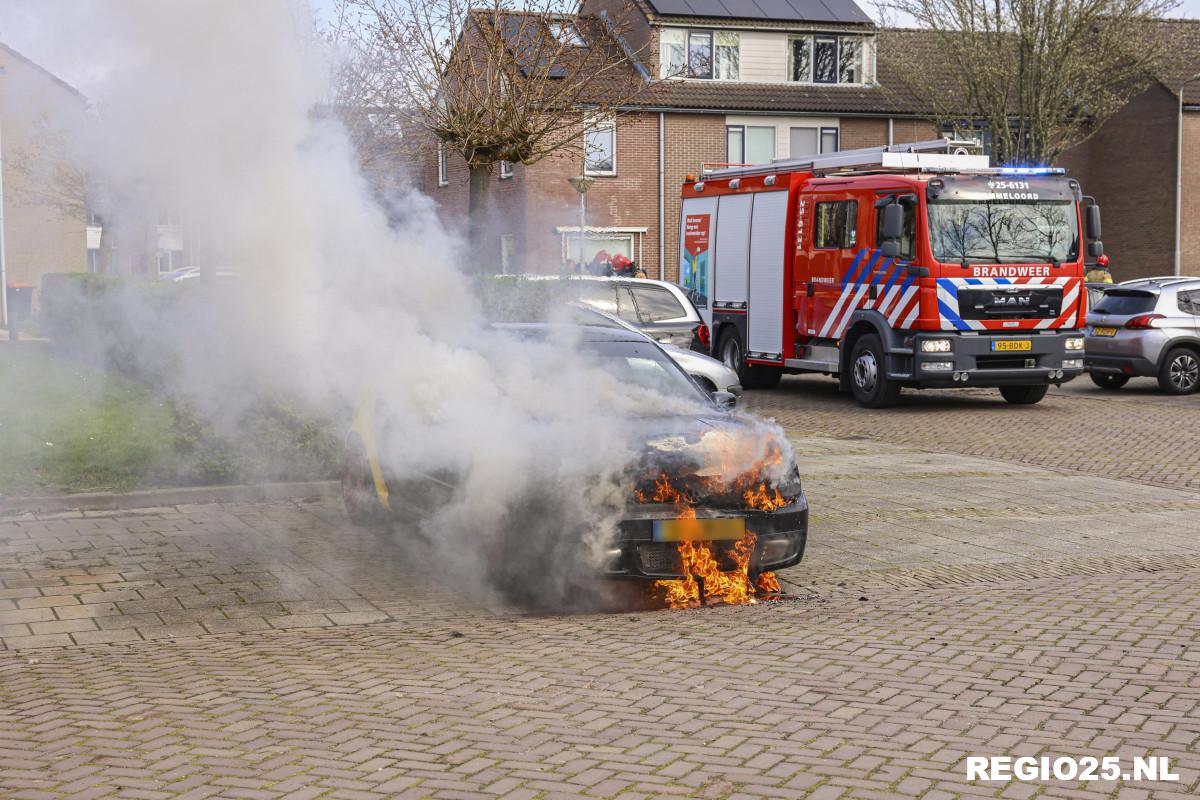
(737, 49)
(600, 123)
(567, 33)
(506, 169)
(443, 176)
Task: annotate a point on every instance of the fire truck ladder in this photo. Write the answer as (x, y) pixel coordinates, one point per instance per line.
(934, 155)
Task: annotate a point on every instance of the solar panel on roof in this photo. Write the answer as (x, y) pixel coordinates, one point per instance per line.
(786, 10)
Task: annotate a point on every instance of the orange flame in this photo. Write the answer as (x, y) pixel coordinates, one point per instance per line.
(705, 582)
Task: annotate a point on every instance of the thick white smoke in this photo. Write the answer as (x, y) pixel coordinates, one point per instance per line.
(212, 107)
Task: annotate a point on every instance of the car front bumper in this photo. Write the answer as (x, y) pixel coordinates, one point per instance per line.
(637, 554)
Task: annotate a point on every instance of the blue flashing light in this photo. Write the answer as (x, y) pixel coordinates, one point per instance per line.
(1032, 171)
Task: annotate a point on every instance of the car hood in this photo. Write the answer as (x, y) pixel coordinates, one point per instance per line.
(712, 459)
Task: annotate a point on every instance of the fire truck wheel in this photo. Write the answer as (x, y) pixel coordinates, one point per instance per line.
(1024, 395)
(868, 379)
(1107, 380)
(751, 376)
(358, 485)
(1180, 372)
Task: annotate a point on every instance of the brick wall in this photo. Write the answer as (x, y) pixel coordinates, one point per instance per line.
(692, 140)
(859, 132)
(1189, 261)
(1129, 167)
(40, 235)
(914, 130)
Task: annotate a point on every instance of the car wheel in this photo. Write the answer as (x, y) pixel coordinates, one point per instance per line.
(752, 376)
(1107, 380)
(868, 374)
(1180, 371)
(1024, 395)
(358, 485)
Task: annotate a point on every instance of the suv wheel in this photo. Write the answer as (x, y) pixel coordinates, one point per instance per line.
(1109, 380)
(1180, 371)
(868, 374)
(1024, 395)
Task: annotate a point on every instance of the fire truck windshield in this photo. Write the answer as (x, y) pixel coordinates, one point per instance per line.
(1003, 231)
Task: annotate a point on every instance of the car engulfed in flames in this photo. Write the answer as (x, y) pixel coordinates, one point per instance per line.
(718, 509)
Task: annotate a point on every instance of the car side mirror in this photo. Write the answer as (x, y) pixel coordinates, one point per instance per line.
(726, 401)
(1095, 249)
(1092, 222)
(893, 222)
(890, 248)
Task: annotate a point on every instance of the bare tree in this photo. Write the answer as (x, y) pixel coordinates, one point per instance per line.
(1042, 75)
(493, 80)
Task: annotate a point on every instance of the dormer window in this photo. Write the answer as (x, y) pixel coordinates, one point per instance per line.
(825, 58)
(564, 31)
(702, 54)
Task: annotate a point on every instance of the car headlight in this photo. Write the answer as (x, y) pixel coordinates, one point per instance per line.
(939, 365)
(1074, 342)
(935, 346)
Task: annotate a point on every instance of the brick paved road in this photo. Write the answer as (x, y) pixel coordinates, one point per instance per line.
(950, 604)
(1135, 434)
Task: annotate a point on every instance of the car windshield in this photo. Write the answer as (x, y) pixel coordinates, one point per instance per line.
(644, 365)
(980, 230)
(1124, 302)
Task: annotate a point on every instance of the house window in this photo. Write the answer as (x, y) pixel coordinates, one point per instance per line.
(850, 60)
(760, 144)
(672, 45)
(826, 59)
(600, 147)
(801, 59)
(443, 173)
(825, 50)
(735, 144)
(725, 66)
(700, 54)
(565, 32)
(837, 225)
(803, 142)
(506, 254)
(829, 140)
(506, 170)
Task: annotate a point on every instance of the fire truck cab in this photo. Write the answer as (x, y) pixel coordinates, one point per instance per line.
(892, 267)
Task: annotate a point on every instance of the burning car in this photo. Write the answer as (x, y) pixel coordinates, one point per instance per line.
(714, 502)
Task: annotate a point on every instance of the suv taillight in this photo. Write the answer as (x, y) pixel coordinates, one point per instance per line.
(703, 336)
(1143, 321)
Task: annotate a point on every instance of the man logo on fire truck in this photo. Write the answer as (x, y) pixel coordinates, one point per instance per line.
(893, 267)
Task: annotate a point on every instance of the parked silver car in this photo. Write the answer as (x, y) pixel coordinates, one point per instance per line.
(711, 374)
(1146, 327)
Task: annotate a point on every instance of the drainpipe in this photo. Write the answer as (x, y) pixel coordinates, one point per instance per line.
(662, 197)
(3, 263)
(1179, 177)
(891, 131)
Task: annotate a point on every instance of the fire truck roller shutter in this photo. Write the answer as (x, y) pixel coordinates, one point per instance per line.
(731, 270)
(697, 235)
(764, 321)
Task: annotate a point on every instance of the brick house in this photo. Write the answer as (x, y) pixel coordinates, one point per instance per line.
(794, 79)
(43, 219)
(739, 89)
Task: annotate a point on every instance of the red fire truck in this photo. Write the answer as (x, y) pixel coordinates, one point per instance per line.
(892, 267)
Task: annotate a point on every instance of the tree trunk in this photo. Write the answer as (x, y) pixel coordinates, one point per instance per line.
(478, 207)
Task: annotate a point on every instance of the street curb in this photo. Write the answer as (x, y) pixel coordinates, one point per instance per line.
(110, 501)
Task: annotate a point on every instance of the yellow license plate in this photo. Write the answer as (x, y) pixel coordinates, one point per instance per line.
(698, 530)
(1104, 331)
(1009, 345)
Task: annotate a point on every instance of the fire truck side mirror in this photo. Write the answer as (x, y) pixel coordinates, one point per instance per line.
(890, 248)
(1095, 249)
(1092, 218)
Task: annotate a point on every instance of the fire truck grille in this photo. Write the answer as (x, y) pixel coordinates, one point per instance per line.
(1005, 302)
